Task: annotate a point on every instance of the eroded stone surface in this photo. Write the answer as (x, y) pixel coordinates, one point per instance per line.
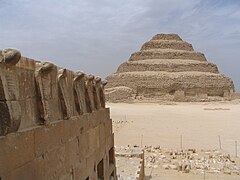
(98, 91)
(79, 89)
(10, 56)
(167, 68)
(34, 93)
(102, 94)
(167, 65)
(47, 85)
(167, 44)
(17, 92)
(89, 91)
(65, 85)
(53, 122)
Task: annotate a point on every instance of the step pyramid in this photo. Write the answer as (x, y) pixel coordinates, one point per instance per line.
(168, 68)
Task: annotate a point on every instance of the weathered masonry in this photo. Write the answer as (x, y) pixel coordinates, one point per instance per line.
(53, 123)
(168, 68)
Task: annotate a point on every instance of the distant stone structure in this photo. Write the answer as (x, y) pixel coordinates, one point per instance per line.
(53, 122)
(168, 68)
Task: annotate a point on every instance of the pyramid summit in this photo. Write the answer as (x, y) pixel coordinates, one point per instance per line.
(168, 68)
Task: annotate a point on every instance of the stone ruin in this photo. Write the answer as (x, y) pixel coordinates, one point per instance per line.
(130, 163)
(53, 122)
(168, 68)
(194, 161)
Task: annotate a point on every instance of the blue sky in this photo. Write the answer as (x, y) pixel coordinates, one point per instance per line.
(97, 35)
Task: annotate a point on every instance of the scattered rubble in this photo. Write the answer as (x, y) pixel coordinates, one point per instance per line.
(119, 124)
(130, 163)
(191, 160)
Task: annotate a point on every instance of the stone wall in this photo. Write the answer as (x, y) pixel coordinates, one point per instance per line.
(53, 122)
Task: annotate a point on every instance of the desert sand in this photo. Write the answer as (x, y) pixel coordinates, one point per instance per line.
(163, 124)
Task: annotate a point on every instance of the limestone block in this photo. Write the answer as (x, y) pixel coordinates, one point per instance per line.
(66, 176)
(202, 95)
(94, 119)
(47, 138)
(81, 172)
(65, 85)
(108, 128)
(47, 88)
(63, 93)
(179, 95)
(39, 166)
(17, 87)
(10, 117)
(83, 142)
(91, 163)
(98, 91)
(102, 94)
(110, 141)
(104, 114)
(25, 171)
(27, 86)
(101, 135)
(52, 166)
(29, 113)
(9, 84)
(93, 140)
(16, 150)
(89, 93)
(99, 143)
(80, 92)
(74, 127)
(71, 155)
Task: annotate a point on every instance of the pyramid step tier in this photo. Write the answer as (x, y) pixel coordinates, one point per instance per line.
(167, 44)
(167, 37)
(167, 54)
(191, 83)
(167, 65)
(168, 68)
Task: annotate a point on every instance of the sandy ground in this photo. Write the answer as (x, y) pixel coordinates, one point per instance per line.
(199, 125)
